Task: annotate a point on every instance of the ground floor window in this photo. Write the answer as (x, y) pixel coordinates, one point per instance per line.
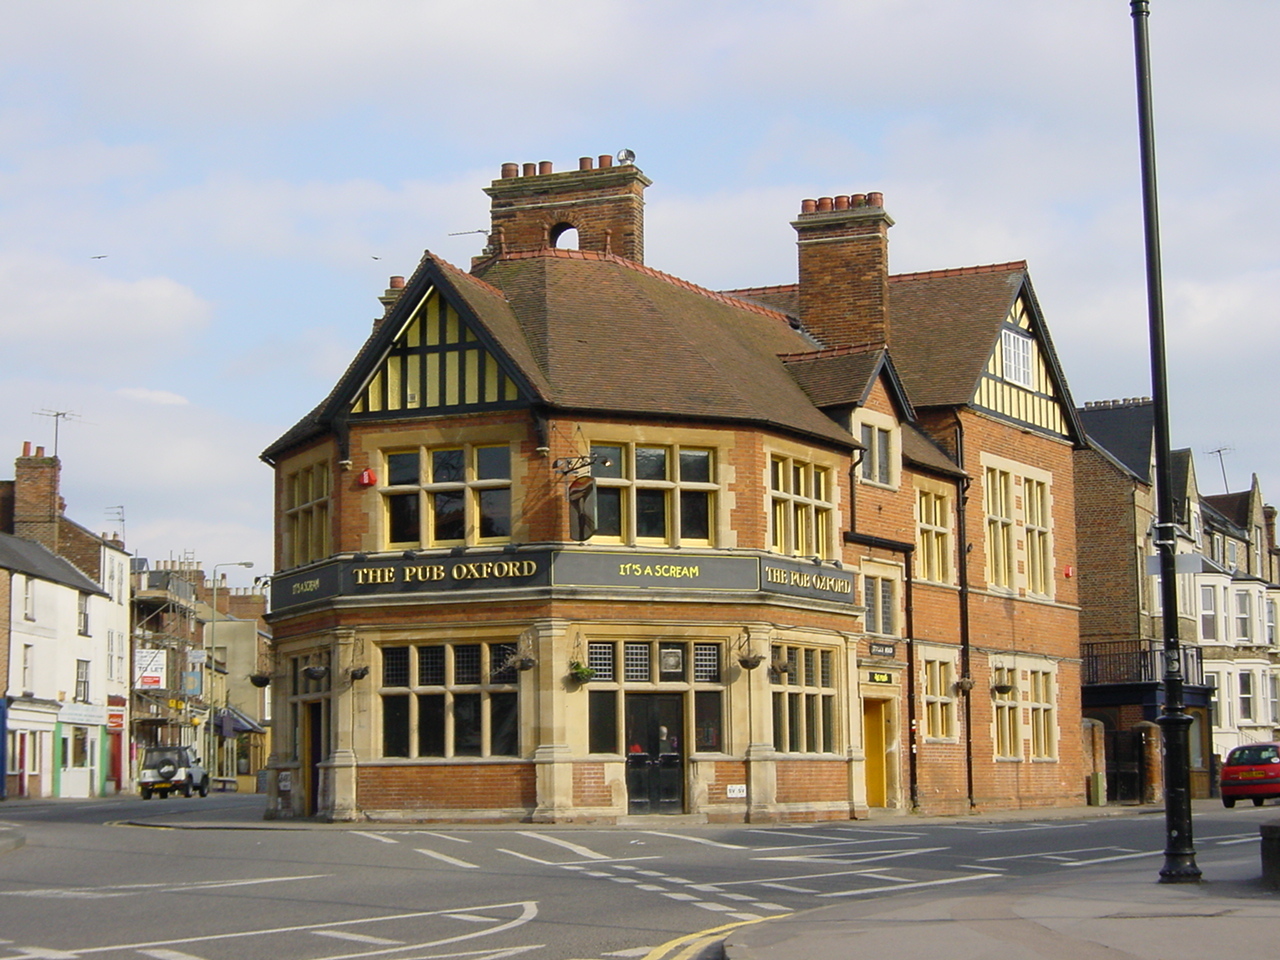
(803, 699)
(1004, 692)
(450, 700)
(939, 699)
(1044, 726)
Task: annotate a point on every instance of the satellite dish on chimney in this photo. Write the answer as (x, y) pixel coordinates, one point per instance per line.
(626, 156)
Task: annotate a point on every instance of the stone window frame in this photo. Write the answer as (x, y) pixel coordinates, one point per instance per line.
(935, 525)
(1008, 535)
(880, 460)
(804, 691)
(622, 478)
(473, 488)
(495, 674)
(802, 506)
(306, 497)
(939, 669)
(1006, 737)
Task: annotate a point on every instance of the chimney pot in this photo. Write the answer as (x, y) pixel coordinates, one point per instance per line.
(39, 451)
(530, 169)
(842, 202)
(858, 200)
(824, 204)
(26, 448)
(396, 283)
(808, 206)
(584, 163)
(606, 161)
(544, 167)
(875, 199)
(510, 170)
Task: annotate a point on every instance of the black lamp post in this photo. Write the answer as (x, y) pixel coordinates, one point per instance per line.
(1179, 851)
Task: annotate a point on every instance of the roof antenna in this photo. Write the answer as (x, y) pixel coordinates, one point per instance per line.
(1226, 487)
(58, 417)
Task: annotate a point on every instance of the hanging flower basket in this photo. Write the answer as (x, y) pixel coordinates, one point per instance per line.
(260, 679)
(579, 672)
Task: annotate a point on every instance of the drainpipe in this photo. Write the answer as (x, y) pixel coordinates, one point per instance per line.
(908, 551)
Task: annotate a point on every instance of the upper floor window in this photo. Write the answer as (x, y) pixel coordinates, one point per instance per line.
(998, 497)
(933, 536)
(1271, 622)
(1246, 695)
(1035, 495)
(654, 494)
(1244, 615)
(1208, 612)
(801, 501)
(306, 515)
(449, 495)
(82, 681)
(29, 598)
(82, 614)
(1017, 367)
(877, 460)
(878, 598)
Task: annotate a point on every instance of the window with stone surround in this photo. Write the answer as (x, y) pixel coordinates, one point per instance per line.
(939, 699)
(665, 495)
(933, 536)
(1041, 698)
(804, 699)
(801, 508)
(306, 515)
(448, 496)
(1004, 696)
(449, 700)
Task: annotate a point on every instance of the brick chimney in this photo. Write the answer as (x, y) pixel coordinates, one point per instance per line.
(844, 269)
(532, 207)
(37, 506)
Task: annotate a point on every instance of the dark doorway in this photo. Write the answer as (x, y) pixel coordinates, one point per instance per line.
(315, 753)
(655, 752)
(1125, 780)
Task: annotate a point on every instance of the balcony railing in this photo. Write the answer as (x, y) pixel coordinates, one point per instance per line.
(1136, 661)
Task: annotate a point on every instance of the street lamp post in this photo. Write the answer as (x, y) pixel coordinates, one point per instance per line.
(210, 737)
(1175, 724)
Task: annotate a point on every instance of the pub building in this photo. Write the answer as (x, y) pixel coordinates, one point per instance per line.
(575, 540)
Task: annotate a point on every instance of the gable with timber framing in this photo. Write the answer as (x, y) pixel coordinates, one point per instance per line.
(436, 364)
(1020, 381)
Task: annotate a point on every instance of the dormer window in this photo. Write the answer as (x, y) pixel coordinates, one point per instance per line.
(1017, 358)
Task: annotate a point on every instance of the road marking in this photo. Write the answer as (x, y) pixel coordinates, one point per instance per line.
(447, 859)
(694, 942)
(169, 955)
(374, 836)
(574, 865)
(1027, 828)
(869, 858)
(470, 917)
(909, 886)
(1126, 856)
(528, 912)
(42, 953)
(702, 840)
(573, 847)
(1055, 854)
(356, 937)
(677, 895)
(650, 888)
(133, 889)
(624, 879)
(714, 907)
(787, 887)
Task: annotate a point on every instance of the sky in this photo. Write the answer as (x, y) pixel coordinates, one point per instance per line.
(200, 203)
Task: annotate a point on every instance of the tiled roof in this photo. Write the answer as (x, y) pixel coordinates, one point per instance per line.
(943, 326)
(612, 336)
(840, 377)
(1233, 506)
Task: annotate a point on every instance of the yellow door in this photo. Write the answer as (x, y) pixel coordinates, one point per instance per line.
(874, 722)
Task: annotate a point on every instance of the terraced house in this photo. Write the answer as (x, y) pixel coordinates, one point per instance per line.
(575, 539)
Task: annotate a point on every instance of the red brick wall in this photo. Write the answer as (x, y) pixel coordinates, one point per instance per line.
(477, 786)
(724, 772)
(1107, 504)
(589, 786)
(812, 781)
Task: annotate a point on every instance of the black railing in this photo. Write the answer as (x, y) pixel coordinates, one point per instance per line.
(1136, 661)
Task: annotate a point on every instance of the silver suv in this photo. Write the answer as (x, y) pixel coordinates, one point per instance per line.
(166, 769)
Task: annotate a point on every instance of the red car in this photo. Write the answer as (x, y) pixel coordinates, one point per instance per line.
(1252, 772)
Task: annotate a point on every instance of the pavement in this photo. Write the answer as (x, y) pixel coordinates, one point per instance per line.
(1114, 915)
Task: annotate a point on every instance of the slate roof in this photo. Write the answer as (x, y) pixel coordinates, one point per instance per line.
(1233, 506)
(1125, 431)
(36, 560)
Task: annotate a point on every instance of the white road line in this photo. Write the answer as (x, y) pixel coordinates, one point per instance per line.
(907, 886)
(787, 887)
(1054, 853)
(1029, 827)
(43, 953)
(1126, 856)
(374, 836)
(850, 861)
(1228, 843)
(633, 952)
(766, 905)
(650, 887)
(447, 859)
(356, 937)
(126, 890)
(169, 955)
(702, 840)
(624, 879)
(528, 912)
(439, 836)
(713, 907)
(471, 917)
(574, 847)
(677, 895)
(745, 916)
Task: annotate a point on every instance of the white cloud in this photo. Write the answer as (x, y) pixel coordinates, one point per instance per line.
(163, 397)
